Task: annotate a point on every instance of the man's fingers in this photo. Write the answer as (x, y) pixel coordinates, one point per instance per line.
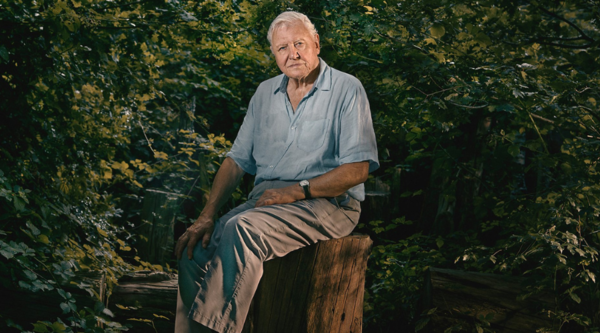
(191, 238)
(191, 244)
(178, 250)
(180, 245)
(206, 239)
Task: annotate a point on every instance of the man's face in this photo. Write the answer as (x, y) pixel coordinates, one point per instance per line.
(295, 50)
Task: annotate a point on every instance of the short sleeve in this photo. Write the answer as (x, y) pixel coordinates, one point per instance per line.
(241, 151)
(357, 138)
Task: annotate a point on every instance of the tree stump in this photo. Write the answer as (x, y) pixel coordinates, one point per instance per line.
(474, 297)
(319, 288)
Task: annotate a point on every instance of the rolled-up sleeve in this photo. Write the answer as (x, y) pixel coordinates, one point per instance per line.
(241, 151)
(356, 135)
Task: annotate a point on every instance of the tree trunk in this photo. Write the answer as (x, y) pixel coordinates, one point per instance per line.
(376, 205)
(156, 233)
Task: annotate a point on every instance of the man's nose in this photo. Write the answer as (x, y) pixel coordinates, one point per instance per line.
(294, 53)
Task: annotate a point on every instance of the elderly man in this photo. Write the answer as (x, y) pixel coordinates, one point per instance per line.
(308, 137)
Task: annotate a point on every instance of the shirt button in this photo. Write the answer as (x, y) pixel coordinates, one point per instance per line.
(270, 166)
(293, 127)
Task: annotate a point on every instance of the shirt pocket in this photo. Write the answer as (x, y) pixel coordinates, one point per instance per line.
(312, 134)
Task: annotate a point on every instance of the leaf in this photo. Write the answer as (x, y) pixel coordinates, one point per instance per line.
(514, 150)
(591, 275)
(34, 230)
(161, 155)
(575, 297)
(65, 307)
(58, 327)
(25, 285)
(19, 204)
(140, 319)
(483, 39)
(30, 275)
(40, 327)
(437, 30)
(43, 239)
(108, 312)
(439, 242)
(4, 53)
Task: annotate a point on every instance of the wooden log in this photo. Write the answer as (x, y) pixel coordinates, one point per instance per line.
(471, 297)
(319, 288)
(146, 301)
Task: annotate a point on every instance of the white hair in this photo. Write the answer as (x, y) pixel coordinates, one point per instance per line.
(289, 18)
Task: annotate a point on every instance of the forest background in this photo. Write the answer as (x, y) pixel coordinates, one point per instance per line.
(486, 115)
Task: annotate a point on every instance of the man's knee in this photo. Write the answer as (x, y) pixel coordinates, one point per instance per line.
(247, 230)
(188, 277)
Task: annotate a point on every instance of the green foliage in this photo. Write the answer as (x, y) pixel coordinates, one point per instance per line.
(93, 94)
(490, 108)
(396, 273)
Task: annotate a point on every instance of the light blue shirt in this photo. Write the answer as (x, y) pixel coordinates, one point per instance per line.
(331, 126)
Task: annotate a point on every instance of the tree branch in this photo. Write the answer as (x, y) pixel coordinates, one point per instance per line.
(565, 46)
(542, 118)
(563, 39)
(437, 92)
(474, 107)
(583, 35)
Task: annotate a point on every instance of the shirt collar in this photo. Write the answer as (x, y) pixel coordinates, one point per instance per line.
(323, 81)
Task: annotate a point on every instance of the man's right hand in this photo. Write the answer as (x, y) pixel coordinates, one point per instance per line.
(201, 230)
(225, 182)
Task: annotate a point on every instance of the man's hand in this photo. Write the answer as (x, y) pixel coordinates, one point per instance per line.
(202, 229)
(280, 196)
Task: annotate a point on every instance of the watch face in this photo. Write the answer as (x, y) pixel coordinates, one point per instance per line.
(304, 183)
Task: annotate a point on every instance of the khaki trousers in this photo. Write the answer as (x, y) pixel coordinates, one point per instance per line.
(217, 285)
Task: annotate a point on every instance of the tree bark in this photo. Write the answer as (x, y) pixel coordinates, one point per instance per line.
(319, 288)
(156, 233)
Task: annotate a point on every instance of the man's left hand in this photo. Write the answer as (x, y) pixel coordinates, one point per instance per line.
(280, 196)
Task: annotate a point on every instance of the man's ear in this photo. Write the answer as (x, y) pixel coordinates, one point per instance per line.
(318, 42)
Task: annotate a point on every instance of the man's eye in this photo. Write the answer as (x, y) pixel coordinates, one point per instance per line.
(282, 48)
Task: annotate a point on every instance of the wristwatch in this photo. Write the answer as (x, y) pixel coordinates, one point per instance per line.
(306, 187)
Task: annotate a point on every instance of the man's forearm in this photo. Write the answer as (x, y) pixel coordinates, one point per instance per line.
(339, 180)
(227, 178)
(328, 185)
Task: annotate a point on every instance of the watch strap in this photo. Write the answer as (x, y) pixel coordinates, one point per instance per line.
(306, 187)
